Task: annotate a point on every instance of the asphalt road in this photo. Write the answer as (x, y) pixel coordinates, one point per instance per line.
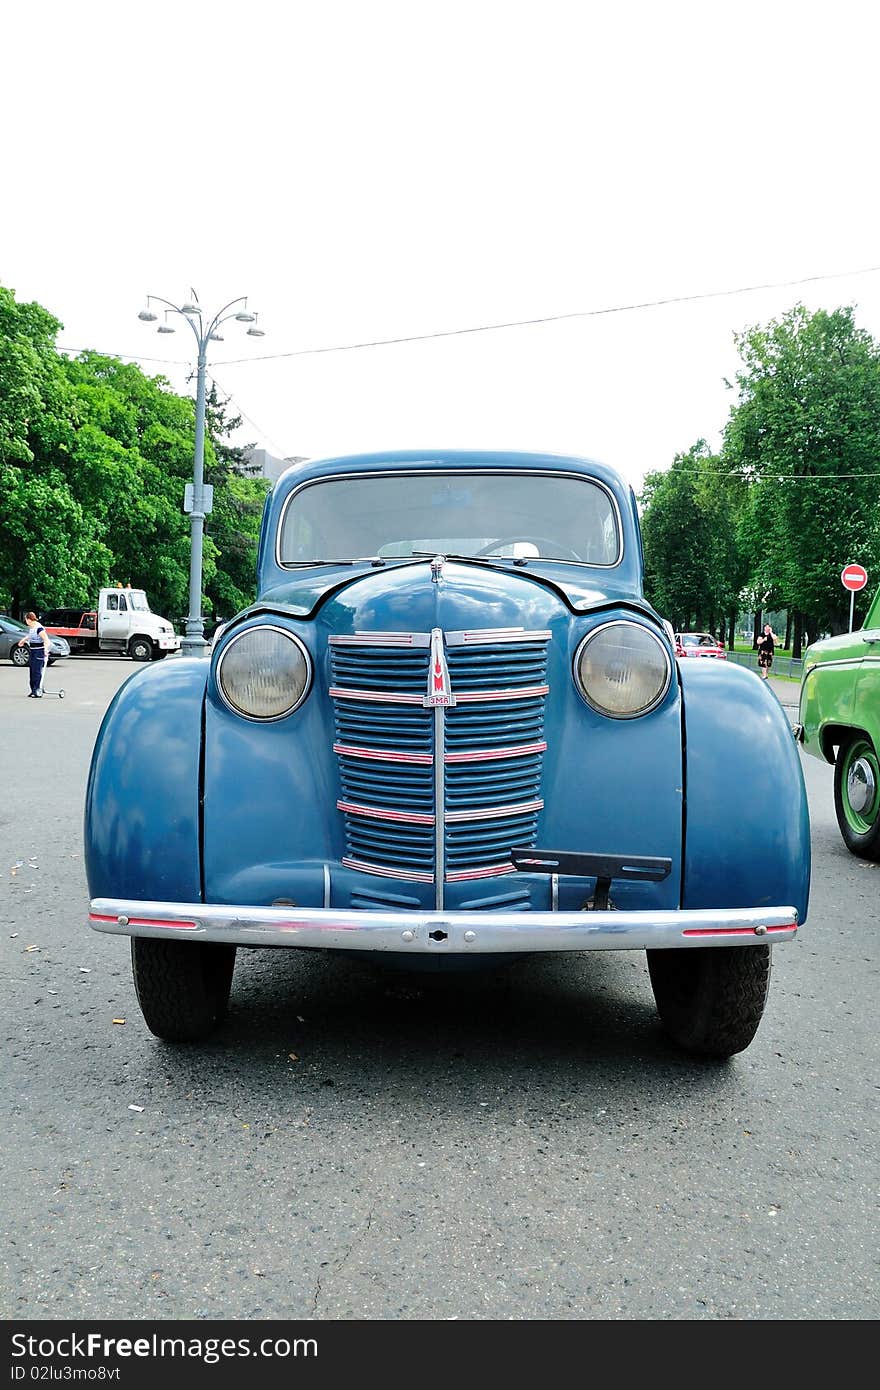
(359, 1144)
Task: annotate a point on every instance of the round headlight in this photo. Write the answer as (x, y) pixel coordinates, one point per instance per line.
(622, 670)
(264, 673)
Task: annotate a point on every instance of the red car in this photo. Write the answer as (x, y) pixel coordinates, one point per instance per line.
(699, 644)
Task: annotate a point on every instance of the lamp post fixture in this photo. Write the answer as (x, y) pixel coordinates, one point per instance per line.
(199, 498)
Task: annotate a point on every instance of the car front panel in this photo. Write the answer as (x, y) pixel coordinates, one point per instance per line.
(369, 796)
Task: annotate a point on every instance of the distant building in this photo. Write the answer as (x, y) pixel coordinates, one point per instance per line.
(266, 465)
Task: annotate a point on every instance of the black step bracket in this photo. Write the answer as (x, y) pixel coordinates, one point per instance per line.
(602, 867)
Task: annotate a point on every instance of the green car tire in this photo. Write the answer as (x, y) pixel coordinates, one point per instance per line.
(857, 797)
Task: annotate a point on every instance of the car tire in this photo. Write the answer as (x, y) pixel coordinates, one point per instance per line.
(50, 661)
(182, 986)
(857, 784)
(711, 998)
(140, 649)
(19, 656)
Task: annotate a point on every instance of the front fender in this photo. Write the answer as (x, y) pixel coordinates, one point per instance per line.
(747, 830)
(141, 829)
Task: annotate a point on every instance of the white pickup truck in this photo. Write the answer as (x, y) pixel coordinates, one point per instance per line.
(122, 623)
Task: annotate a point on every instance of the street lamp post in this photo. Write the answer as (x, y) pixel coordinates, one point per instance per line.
(199, 499)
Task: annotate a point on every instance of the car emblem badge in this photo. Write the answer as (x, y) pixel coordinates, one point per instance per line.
(437, 568)
(439, 689)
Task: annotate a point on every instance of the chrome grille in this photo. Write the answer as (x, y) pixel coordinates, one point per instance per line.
(490, 742)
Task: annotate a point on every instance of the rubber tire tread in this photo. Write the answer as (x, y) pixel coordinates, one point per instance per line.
(182, 987)
(865, 846)
(711, 998)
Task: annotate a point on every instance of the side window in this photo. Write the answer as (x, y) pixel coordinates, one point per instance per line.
(123, 606)
(112, 603)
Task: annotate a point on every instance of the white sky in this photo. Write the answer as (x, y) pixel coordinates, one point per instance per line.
(377, 170)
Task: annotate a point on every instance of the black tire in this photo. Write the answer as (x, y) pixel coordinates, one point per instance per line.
(157, 655)
(857, 797)
(711, 998)
(140, 649)
(19, 656)
(182, 986)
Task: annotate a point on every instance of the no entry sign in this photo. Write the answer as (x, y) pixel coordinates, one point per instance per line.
(854, 577)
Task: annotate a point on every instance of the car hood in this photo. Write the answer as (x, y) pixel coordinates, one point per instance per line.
(846, 644)
(581, 590)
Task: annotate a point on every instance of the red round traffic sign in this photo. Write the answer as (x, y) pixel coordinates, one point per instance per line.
(854, 577)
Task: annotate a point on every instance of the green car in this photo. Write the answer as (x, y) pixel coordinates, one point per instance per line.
(840, 723)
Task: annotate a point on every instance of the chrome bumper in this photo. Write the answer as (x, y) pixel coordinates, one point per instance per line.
(444, 933)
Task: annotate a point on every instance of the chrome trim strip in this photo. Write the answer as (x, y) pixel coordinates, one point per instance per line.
(382, 755)
(354, 808)
(554, 892)
(461, 932)
(457, 473)
(489, 636)
(381, 639)
(483, 871)
(522, 692)
(493, 812)
(326, 885)
(490, 755)
(382, 697)
(411, 875)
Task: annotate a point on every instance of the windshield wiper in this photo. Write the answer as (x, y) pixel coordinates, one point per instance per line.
(376, 560)
(477, 559)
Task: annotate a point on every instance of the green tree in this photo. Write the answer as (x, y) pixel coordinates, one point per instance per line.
(130, 461)
(50, 544)
(805, 435)
(693, 563)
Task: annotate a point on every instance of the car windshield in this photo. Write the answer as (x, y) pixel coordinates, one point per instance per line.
(12, 624)
(512, 516)
(137, 600)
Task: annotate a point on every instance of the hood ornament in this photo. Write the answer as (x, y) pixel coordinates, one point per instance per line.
(437, 568)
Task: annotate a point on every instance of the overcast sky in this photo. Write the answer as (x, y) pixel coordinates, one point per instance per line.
(386, 170)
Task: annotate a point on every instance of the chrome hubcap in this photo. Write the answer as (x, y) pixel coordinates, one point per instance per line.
(860, 785)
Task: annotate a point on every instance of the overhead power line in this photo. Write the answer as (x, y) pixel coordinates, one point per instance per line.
(261, 432)
(549, 318)
(129, 356)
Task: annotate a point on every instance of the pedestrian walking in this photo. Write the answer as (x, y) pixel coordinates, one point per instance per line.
(766, 647)
(37, 642)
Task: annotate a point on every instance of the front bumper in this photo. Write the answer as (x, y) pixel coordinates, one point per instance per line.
(445, 933)
(168, 644)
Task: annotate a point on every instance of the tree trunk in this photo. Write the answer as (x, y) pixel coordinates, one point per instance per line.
(797, 646)
(731, 630)
(787, 629)
(757, 632)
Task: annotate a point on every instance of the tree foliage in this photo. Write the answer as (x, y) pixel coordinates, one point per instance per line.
(805, 436)
(794, 495)
(94, 460)
(693, 562)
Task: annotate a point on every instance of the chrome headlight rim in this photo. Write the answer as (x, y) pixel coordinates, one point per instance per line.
(632, 714)
(247, 632)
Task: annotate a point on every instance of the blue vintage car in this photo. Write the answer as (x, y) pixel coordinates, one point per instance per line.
(450, 731)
